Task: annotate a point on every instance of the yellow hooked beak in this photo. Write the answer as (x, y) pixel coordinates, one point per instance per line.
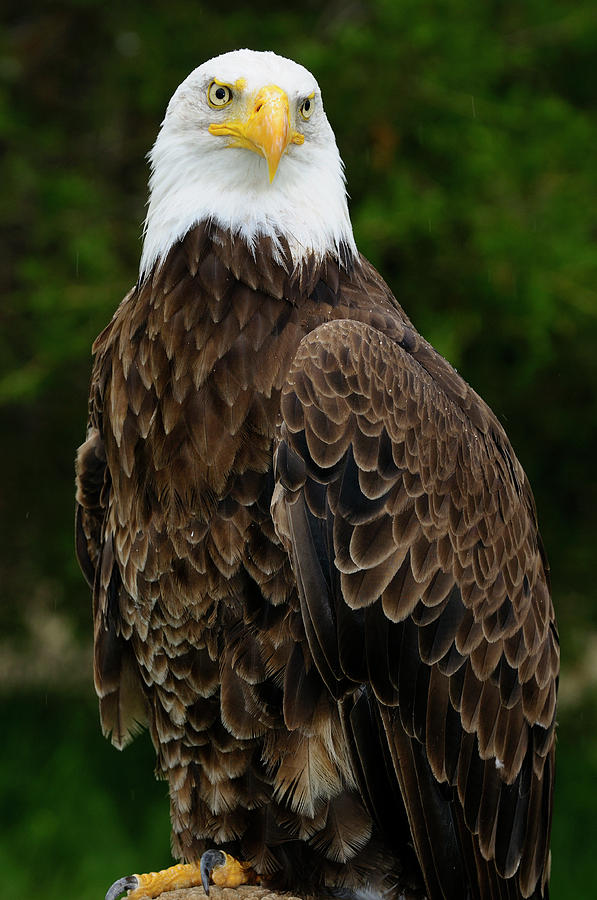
(265, 129)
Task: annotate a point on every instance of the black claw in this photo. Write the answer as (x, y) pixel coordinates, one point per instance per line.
(210, 860)
(128, 883)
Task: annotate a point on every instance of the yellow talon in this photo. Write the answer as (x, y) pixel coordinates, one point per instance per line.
(152, 884)
(232, 873)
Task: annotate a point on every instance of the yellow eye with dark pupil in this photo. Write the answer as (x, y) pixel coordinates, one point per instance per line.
(307, 108)
(218, 94)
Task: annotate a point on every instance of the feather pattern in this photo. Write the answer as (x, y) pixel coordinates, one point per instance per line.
(449, 547)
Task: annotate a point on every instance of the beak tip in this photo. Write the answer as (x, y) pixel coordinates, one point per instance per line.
(272, 165)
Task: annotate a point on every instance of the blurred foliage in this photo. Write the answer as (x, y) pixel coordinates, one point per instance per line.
(81, 821)
(468, 133)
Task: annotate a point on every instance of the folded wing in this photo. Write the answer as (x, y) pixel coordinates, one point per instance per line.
(424, 593)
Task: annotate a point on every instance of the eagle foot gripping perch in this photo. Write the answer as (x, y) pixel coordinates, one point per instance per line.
(214, 867)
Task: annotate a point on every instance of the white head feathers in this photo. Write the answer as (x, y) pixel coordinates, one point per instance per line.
(196, 175)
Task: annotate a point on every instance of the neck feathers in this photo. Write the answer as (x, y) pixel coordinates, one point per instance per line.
(217, 257)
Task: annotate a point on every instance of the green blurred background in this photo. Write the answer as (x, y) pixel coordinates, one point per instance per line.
(469, 135)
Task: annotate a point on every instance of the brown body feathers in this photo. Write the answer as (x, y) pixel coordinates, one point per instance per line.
(317, 577)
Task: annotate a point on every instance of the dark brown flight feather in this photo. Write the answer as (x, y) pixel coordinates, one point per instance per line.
(317, 576)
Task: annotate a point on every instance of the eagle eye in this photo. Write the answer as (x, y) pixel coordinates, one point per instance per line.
(218, 95)
(307, 106)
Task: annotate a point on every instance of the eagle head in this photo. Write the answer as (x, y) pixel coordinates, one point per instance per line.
(246, 144)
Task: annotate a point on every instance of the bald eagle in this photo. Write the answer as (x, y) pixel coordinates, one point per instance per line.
(316, 569)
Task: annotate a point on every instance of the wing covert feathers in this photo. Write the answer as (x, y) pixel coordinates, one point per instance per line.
(424, 542)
